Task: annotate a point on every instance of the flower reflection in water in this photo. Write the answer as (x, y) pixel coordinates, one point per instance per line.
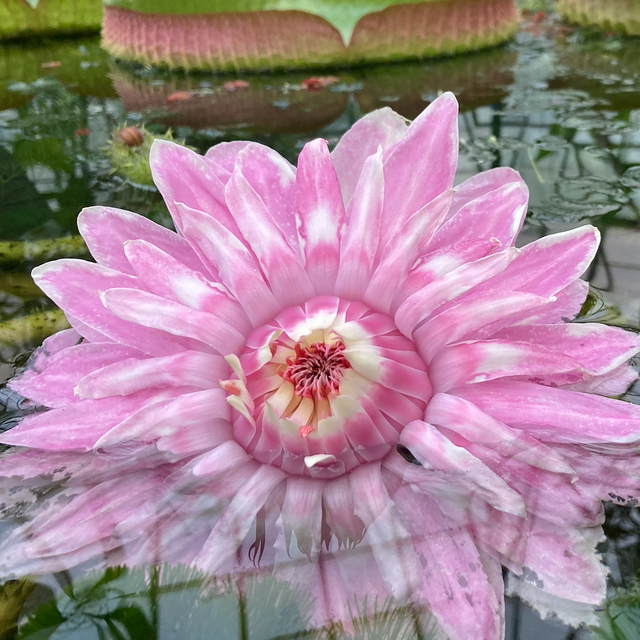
(344, 375)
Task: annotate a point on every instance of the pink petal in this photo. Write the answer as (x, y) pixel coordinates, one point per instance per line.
(422, 165)
(106, 229)
(334, 442)
(556, 415)
(427, 300)
(280, 264)
(612, 383)
(302, 514)
(395, 405)
(550, 493)
(224, 154)
(237, 519)
(434, 265)
(54, 385)
(126, 376)
(74, 285)
(200, 437)
(596, 347)
(567, 305)
(389, 372)
(369, 493)
(381, 128)
(438, 454)
(321, 215)
(336, 586)
(456, 414)
(554, 553)
(550, 263)
(216, 462)
(166, 416)
(481, 184)
(359, 244)
(403, 249)
(609, 477)
(384, 532)
(273, 179)
(30, 463)
(453, 580)
(94, 515)
(359, 428)
(52, 345)
(558, 499)
(236, 265)
(472, 362)
(152, 311)
(270, 442)
(339, 508)
(493, 571)
(75, 427)
(498, 214)
(458, 321)
(87, 332)
(370, 326)
(183, 285)
(183, 176)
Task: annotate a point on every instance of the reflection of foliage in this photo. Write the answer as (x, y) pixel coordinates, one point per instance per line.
(12, 596)
(54, 112)
(275, 608)
(48, 151)
(620, 619)
(136, 604)
(43, 164)
(101, 604)
(386, 623)
(22, 206)
(594, 309)
(123, 604)
(82, 68)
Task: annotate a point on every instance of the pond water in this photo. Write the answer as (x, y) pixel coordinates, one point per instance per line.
(560, 105)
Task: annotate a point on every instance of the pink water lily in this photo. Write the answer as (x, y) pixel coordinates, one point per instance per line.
(343, 372)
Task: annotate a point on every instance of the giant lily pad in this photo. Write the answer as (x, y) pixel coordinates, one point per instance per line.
(341, 14)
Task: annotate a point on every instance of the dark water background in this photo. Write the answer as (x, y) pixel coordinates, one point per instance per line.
(562, 106)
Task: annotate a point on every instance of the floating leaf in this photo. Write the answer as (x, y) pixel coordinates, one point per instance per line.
(43, 623)
(631, 177)
(341, 14)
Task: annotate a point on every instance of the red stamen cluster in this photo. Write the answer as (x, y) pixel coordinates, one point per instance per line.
(315, 371)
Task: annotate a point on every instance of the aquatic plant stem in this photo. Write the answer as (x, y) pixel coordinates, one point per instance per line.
(154, 603)
(535, 167)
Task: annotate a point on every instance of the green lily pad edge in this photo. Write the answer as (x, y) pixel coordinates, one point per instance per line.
(343, 15)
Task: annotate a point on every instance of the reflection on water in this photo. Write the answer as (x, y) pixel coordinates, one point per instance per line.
(560, 108)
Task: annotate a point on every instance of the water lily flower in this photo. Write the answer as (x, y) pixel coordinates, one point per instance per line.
(344, 371)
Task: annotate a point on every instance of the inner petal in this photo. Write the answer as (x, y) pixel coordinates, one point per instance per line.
(296, 383)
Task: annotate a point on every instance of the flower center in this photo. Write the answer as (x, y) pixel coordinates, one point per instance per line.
(315, 371)
(325, 387)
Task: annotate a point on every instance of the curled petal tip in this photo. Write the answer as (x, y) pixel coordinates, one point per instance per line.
(321, 459)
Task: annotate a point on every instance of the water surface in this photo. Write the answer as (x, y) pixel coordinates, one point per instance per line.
(561, 106)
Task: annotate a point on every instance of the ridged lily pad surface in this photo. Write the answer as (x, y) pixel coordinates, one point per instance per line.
(618, 15)
(268, 34)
